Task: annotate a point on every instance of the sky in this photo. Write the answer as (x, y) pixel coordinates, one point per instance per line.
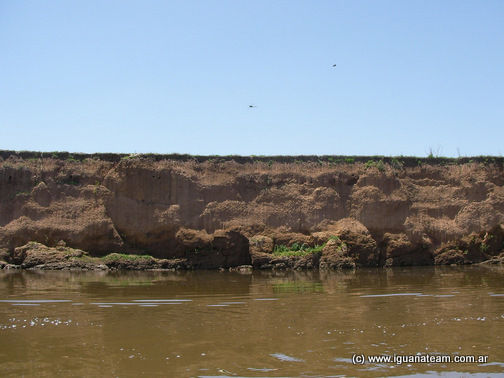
(411, 77)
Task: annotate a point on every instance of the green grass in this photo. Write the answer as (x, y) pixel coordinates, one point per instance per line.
(370, 164)
(334, 161)
(380, 165)
(296, 250)
(109, 258)
(396, 163)
(122, 256)
(130, 156)
(85, 258)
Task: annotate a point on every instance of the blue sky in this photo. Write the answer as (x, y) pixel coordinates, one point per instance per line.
(179, 76)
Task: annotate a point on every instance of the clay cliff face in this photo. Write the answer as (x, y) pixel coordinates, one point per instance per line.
(168, 207)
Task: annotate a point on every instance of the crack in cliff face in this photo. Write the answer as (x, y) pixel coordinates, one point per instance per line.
(139, 205)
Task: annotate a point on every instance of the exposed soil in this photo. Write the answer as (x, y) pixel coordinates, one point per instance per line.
(193, 212)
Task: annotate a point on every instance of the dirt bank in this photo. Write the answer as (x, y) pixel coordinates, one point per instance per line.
(278, 212)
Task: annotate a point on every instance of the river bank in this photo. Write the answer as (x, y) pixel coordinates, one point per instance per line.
(112, 211)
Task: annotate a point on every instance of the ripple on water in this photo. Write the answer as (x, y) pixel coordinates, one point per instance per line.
(266, 299)
(114, 304)
(452, 374)
(174, 301)
(25, 304)
(391, 295)
(227, 376)
(284, 357)
(138, 304)
(264, 370)
(225, 304)
(501, 364)
(232, 303)
(345, 360)
(34, 300)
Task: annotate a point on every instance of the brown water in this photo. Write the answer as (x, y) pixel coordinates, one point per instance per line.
(205, 324)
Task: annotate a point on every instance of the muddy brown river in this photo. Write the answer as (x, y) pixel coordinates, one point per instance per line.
(264, 324)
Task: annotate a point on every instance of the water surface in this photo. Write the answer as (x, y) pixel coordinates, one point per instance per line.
(208, 324)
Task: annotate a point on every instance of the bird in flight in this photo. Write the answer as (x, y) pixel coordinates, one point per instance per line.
(252, 106)
(334, 65)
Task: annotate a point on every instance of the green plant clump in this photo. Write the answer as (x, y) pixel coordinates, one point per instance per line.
(396, 163)
(296, 250)
(122, 256)
(370, 164)
(381, 166)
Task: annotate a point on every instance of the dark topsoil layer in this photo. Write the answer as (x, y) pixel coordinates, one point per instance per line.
(405, 161)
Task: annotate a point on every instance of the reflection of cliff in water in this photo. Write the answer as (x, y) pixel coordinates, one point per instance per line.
(231, 321)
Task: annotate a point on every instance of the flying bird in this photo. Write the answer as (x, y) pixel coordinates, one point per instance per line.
(334, 65)
(252, 106)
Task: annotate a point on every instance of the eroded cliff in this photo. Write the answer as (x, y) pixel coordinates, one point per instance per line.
(396, 212)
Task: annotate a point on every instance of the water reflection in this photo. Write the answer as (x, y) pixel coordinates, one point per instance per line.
(262, 324)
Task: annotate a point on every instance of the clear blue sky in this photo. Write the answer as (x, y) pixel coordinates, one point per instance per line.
(179, 76)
